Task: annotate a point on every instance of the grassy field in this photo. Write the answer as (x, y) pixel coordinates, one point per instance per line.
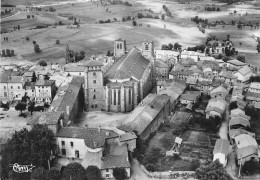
(96, 39)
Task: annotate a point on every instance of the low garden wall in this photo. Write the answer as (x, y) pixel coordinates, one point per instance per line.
(168, 174)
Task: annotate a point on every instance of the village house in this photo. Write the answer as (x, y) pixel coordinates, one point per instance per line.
(229, 78)
(216, 82)
(237, 111)
(45, 90)
(148, 116)
(238, 123)
(11, 87)
(254, 87)
(204, 86)
(28, 76)
(237, 93)
(30, 90)
(215, 107)
(69, 100)
(73, 70)
(167, 54)
(191, 54)
(117, 158)
(236, 132)
(190, 97)
(162, 70)
(192, 82)
(252, 97)
(83, 145)
(219, 92)
(257, 106)
(246, 148)
(53, 120)
(207, 72)
(243, 74)
(221, 150)
(235, 63)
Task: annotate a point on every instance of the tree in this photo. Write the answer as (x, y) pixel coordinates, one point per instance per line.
(74, 171)
(8, 53)
(34, 78)
(194, 164)
(170, 46)
(164, 47)
(134, 23)
(38, 173)
(176, 46)
(12, 52)
(241, 58)
(250, 167)
(42, 63)
(57, 41)
(3, 53)
(233, 105)
(258, 47)
(31, 107)
(108, 53)
(28, 147)
(119, 173)
(93, 173)
(53, 174)
(213, 171)
(21, 106)
(37, 48)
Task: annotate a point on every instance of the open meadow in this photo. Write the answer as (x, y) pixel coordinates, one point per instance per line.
(96, 38)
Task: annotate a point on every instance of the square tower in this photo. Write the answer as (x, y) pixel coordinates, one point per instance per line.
(119, 48)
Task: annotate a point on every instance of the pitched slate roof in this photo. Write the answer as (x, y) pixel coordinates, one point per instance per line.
(189, 97)
(130, 65)
(237, 111)
(114, 161)
(235, 132)
(221, 146)
(254, 85)
(217, 105)
(246, 151)
(219, 89)
(236, 62)
(245, 70)
(239, 121)
(244, 140)
(257, 105)
(127, 136)
(227, 74)
(44, 83)
(74, 69)
(252, 96)
(91, 63)
(90, 135)
(49, 118)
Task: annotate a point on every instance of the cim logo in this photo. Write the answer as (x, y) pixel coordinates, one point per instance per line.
(22, 168)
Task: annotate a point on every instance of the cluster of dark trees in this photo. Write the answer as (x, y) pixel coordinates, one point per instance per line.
(166, 10)
(258, 47)
(230, 51)
(197, 48)
(255, 79)
(115, 2)
(109, 53)
(171, 46)
(30, 16)
(229, 2)
(140, 15)
(7, 53)
(213, 8)
(197, 20)
(6, 12)
(60, 23)
(36, 47)
(124, 19)
(105, 21)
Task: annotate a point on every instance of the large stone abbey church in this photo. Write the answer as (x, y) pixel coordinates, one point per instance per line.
(125, 83)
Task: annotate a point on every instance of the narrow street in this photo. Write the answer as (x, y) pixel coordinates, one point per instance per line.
(223, 130)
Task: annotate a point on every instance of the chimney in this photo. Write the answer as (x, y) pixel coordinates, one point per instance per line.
(61, 122)
(99, 129)
(68, 109)
(107, 133)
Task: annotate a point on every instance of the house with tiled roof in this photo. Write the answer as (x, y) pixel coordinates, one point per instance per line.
(148, 116)
(166, 54)
(162, 69)
(243, 74)
(116, 158)
(252, 97)
(69, 100)
(235, 63)
(83, 145)
(229, 78)
(30, 89)
(11, 87)
(190, 97)
(219, 92)
(45, 91)
(204, 85)
(236, 132)
(221, 150)
(73, 70)
(246, 149)
(53, 120)
(254, 87)
(215, 107)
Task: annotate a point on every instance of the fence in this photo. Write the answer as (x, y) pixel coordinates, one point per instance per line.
(167, 174)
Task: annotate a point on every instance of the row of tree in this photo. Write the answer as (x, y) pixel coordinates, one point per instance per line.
(7, 53)
(212, 8)
(170, 46)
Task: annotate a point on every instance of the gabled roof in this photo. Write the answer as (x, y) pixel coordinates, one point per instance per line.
(239, 121)
(217, 105)
(253, 96)
(244, 140)
(255, 85)
(237, 111)
(236, 62)
(257, 105)
(93, 138)
(127, 136)
(115, 161)
(219, 89)
(227, 74)
(44, 83)
(191, 80)
(91, 63)
(246, 151)
(74, 69)
(235, 132)
(245, 70)
(48, 118)
(221, 146)
(133, 64)
(189, 97)
(241, 116)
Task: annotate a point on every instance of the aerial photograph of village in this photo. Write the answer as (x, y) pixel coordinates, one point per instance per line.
(130, 90)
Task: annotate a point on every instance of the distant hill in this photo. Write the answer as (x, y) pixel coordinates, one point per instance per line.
(27, 2)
